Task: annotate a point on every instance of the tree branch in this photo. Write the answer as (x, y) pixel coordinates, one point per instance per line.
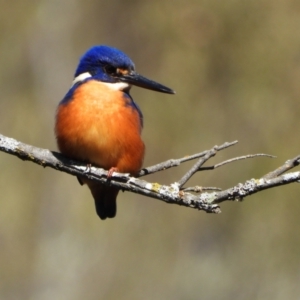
(173, 193)
(176, 162)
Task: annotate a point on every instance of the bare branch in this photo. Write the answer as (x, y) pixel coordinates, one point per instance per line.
(46, 158)
(253, 186)
(200, 189)
(207, 201)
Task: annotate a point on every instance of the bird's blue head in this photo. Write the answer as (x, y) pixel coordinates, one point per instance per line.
(115, 68)
(101, 62)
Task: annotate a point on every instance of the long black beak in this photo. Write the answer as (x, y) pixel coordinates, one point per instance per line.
(139, 80)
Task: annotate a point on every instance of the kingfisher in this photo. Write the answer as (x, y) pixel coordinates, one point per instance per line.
(99, 123)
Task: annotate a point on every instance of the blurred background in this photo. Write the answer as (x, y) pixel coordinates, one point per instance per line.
(235, 66)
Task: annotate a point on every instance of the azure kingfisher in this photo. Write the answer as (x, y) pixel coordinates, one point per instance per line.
(99, 123)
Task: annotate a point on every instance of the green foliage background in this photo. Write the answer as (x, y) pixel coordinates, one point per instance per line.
(235, 66)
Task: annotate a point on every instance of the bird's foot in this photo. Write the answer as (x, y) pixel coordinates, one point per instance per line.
(111, 171)
(88, 168)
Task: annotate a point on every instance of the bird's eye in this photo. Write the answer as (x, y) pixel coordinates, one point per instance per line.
(110, 70)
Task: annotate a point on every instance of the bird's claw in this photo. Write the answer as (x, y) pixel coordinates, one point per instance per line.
(88, 168)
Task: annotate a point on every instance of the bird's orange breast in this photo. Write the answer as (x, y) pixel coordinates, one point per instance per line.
(100, 126)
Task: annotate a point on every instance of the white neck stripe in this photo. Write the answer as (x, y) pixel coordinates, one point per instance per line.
(81, 77)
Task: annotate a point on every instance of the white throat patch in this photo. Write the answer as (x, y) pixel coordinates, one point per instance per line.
(117, 86)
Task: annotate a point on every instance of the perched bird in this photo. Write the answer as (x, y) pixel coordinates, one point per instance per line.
(99, 123)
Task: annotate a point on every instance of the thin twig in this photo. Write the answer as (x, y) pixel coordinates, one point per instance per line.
(291, 163)
(241, 158)
(195, 168)
(221, 164)
(176, 162)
